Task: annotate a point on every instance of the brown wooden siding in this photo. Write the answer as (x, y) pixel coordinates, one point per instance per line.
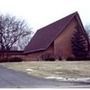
(38, 55)
(62, 45)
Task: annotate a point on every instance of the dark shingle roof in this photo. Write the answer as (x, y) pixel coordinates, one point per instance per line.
(46, 35)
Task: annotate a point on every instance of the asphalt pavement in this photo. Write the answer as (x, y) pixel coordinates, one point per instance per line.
(15, 79)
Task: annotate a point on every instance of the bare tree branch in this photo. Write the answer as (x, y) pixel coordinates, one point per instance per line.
(12, 30)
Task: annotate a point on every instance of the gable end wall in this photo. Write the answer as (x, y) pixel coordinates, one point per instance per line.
(62, 44)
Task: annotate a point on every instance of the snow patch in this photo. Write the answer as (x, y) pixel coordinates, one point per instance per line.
(29, 72)
(28, 69)
(69, 79)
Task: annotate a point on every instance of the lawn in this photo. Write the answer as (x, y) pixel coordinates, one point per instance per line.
(69, 69)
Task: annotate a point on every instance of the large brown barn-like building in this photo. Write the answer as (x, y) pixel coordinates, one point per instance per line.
(54, 40)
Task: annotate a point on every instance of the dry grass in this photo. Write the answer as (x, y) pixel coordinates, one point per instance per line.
(57, 68)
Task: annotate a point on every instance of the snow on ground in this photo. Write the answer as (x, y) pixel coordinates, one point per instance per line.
(29, 69)
(82, 79)
(69, 79)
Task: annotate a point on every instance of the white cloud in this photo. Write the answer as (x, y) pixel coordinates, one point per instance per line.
(39, 13)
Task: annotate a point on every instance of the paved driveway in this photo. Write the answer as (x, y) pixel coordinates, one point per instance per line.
(13, 79)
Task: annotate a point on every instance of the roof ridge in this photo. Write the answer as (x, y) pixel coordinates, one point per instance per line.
(44, 37)
(73, 14)
(58, 20)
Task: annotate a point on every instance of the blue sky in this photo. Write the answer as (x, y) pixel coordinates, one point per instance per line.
(39, 13)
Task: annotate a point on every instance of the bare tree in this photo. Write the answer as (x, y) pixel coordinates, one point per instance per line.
(23, 42)
(12, 30)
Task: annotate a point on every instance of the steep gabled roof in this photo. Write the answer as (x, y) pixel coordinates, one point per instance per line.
(44, 37)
